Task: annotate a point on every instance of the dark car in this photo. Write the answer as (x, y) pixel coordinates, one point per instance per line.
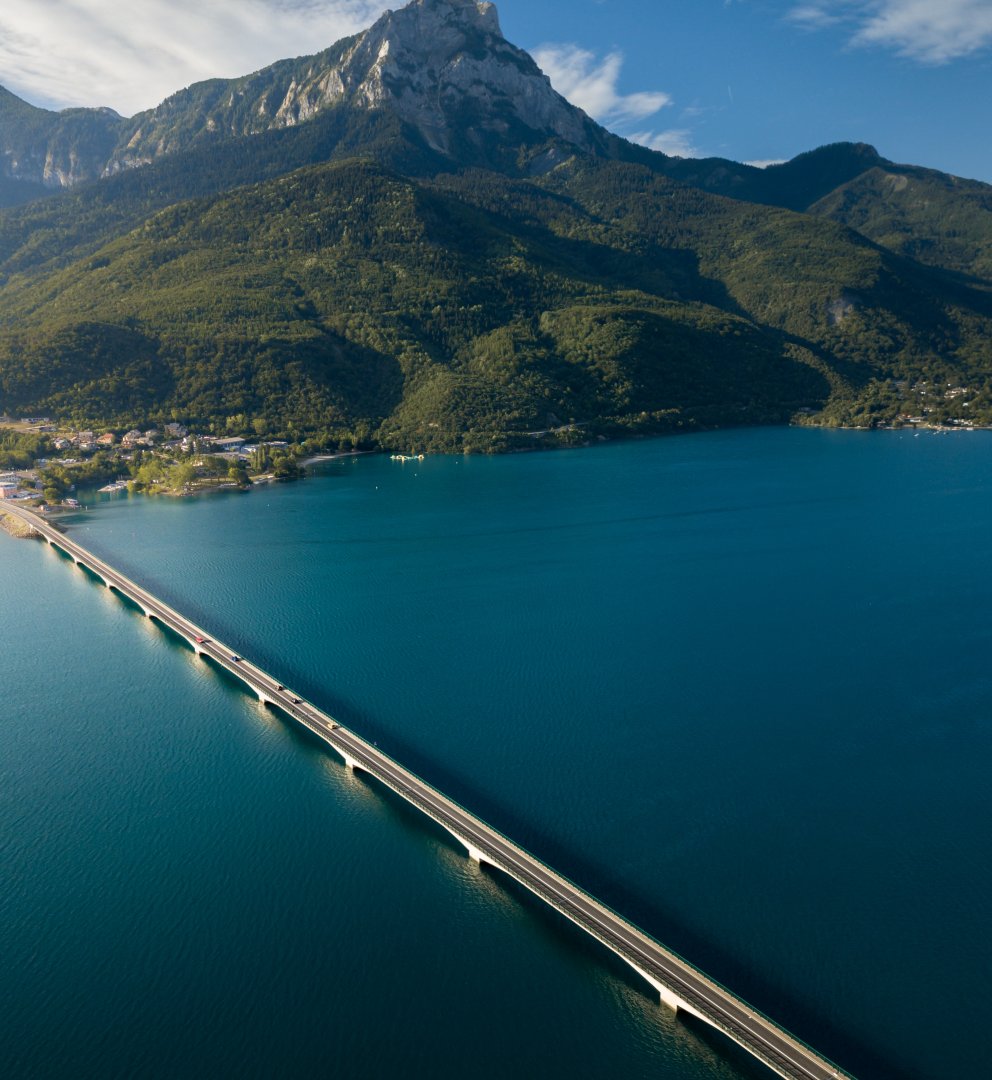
(236, 659)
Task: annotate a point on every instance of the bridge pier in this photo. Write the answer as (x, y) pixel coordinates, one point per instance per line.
(470, 849)
(670, 999)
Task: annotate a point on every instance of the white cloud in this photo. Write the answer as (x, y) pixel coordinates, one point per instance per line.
(131, 55)
(813, 16)
(676, 142)
(931, 31)
(592, 84)
(765, 163)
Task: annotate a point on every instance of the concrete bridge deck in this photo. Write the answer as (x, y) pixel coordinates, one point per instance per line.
(680, 985)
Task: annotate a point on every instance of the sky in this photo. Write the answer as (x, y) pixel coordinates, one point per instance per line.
(752, 80)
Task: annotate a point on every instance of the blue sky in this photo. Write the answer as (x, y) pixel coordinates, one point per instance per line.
(753, 80)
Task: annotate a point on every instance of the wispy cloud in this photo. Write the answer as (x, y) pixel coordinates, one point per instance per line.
(676, 142)
(931, 31)
(592, 83)
(132, 55)
(814, 16)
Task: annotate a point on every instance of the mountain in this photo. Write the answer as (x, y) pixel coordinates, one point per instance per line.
(45, 149)
(938, 219)
(410, 240)
(441, 67)
(933, 217)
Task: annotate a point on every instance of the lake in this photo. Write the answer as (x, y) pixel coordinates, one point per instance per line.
(736, 684)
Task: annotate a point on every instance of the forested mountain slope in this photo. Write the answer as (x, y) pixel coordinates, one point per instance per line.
(432, 250)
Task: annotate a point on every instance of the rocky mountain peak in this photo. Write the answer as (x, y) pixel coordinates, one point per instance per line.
(445, 67)
(478, 13)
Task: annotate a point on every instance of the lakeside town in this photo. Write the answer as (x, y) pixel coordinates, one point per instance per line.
(47, 465)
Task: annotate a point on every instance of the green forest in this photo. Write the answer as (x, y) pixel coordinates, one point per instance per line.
(385, 301)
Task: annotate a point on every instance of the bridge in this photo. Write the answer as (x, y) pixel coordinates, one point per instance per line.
(681, 986)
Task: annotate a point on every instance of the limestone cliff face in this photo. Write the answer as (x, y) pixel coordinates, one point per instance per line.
(54, 149)
(440, 62)
(442, 65)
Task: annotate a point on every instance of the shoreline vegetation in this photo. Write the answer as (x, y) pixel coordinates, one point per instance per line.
(21, 530)
(48, 485)
(191, 465)
(48, 464)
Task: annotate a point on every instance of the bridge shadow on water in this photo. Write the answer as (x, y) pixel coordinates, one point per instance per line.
(697, 1038)
(650, 914)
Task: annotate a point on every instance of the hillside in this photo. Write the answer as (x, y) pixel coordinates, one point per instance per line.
(468, 311)
(930, 216)
(938, 219)
(357, 298)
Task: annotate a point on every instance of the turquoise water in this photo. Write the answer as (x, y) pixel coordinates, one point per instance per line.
(736, 684)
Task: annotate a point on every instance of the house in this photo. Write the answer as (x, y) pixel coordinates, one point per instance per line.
(131, 439)
(7, 490)
(106, 440)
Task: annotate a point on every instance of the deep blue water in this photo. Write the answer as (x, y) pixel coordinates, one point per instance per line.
(737, 684)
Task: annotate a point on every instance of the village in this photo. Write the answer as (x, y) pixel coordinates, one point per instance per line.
(169, 461)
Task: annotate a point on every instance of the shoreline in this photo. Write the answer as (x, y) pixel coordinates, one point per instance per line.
(17, 527)
(213, 487)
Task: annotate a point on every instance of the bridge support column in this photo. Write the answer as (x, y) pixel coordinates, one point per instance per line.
(671, 999)
(265, 700)
(668, 998)
(349, 763)
(470, 849)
